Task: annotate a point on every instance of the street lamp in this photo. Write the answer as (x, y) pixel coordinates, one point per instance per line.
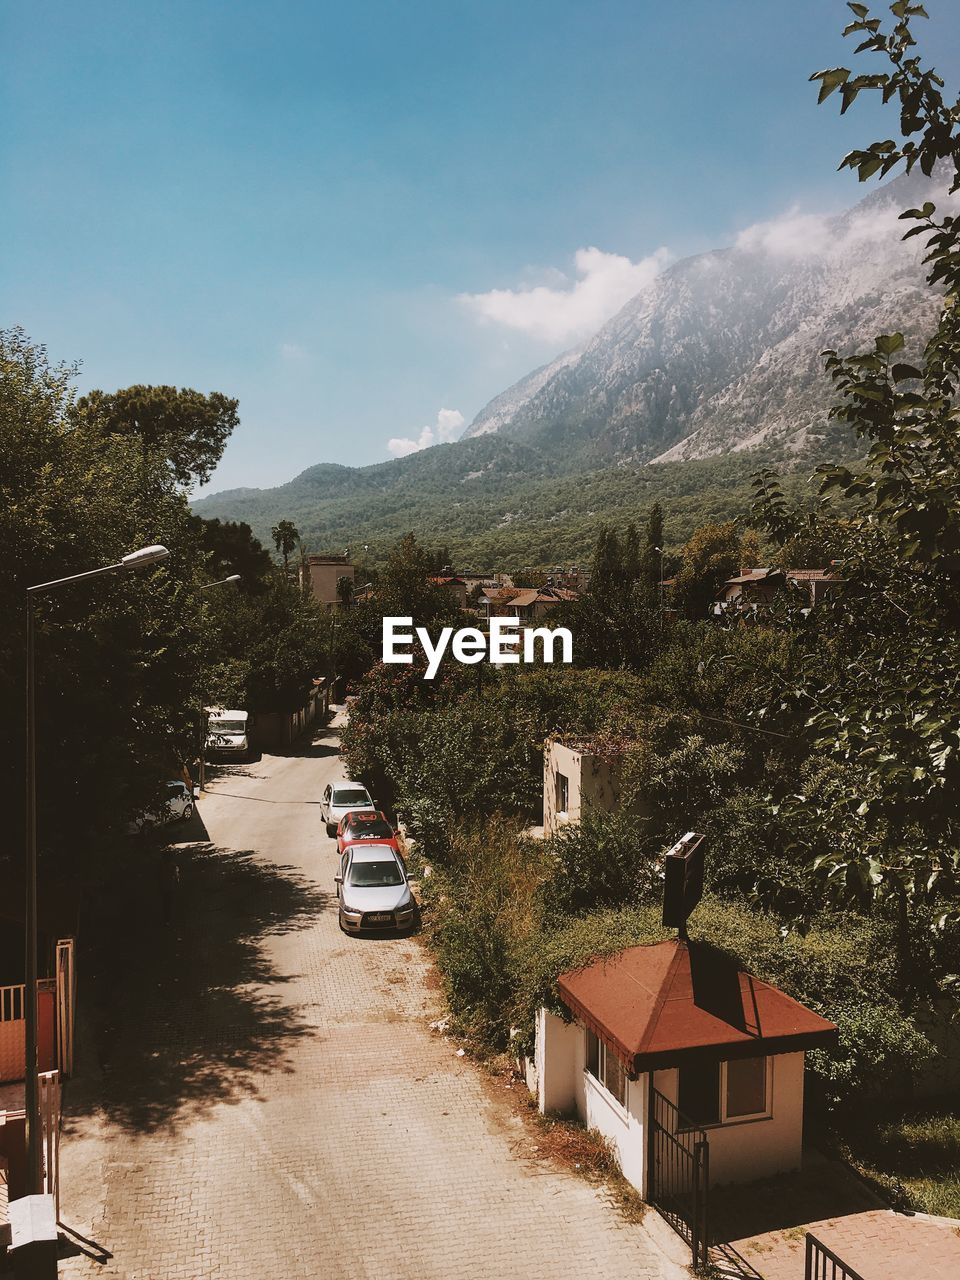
(141, 559)
(234, 577)
(659, 550)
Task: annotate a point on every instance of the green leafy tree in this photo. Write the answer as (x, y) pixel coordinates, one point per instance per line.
(880, 682)
(231, 548)
(285, 538)
(186, 427)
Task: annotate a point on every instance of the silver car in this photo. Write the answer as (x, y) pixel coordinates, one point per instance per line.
(341, 798)
(373, 889)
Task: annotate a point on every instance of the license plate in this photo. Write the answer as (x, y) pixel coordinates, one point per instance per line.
(380, 917)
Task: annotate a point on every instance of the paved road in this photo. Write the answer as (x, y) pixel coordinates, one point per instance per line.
(268, 1099)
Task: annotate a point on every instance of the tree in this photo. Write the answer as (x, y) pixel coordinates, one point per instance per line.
(119, 665)
(186, 427)
(710, 557)
(285, 538)
(232, 548)
(882, 670)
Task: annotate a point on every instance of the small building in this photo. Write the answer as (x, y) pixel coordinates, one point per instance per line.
(577, 779)
(453, 584)
(320, 575)
(529, 604)
(757, 587)
(677, 1027)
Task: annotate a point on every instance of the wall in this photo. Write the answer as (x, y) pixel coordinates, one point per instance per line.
(322, 576)
(563, 1085)
(275, 730)
(756, 1148)
(13, 1036)
(593, 784)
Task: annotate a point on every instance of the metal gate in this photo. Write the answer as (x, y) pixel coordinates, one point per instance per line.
(823, 1264)
(678, 1158)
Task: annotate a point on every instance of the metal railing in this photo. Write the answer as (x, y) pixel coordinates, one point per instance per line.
(679, 1173)
(823, 1264)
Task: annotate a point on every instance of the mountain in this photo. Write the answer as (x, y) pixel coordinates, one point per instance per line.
(722, 351)
(711, 371)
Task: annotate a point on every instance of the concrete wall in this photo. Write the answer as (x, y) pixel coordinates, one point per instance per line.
(740, 1151)
(321, 573)
(593, 784)
(747, 1149)
(563, 1084)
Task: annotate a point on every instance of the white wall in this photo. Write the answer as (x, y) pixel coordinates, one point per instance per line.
(555, 1059)
(749, 1149)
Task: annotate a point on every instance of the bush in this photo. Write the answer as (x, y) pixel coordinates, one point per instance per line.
(606, 860)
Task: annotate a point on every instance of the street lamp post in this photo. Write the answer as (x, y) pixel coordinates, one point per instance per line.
(141, 559)
(660, 551)
(234, 577)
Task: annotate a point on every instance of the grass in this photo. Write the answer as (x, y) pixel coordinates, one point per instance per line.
(917, 1147)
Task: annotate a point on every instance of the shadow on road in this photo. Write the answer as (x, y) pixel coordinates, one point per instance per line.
(183, 1008)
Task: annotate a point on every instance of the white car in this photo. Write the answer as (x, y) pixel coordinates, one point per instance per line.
(177, 807)
(373, 889)
(341, 798)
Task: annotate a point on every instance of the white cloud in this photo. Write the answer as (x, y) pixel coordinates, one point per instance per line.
(573, 309)
(445, 429)
(797, 235)
(292, 352)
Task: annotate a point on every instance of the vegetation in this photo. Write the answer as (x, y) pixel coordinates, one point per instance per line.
(495, 504)
(125, 663)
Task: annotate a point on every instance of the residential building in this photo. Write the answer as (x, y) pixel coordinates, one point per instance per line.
(529, 604)
(675, 1035)
(576, 779)
(757, 587)
(456, 586)
(320, 574)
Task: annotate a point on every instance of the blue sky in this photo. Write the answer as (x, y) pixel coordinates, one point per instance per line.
(337, 212)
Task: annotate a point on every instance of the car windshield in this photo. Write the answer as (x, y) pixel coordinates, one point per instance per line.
(228, 726)
(375, 875)
(356, 795)
(375, 829)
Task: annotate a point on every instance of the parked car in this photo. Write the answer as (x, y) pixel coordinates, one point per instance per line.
(341, 798)
(177, 807)
(227, 733)
(365, 824)
(373, 889)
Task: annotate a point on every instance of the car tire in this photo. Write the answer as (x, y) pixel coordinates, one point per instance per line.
(187, 813)
(331, 830)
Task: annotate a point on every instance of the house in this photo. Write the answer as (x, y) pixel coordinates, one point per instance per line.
(456, 586)
(529, 604)
(675, 1038)
(320, 575)
(753, 587)
(577, 779)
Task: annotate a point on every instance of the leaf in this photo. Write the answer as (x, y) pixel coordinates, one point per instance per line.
(830, 79)
(888, 343)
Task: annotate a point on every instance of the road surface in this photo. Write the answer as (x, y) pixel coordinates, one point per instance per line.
(267, 1099)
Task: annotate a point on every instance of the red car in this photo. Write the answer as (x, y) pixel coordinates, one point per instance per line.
(362, 825)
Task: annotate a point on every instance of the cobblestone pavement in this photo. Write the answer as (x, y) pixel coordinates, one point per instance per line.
(767, 1231)
(267, 1099)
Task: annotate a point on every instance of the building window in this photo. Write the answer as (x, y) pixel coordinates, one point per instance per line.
(606, 1068)
(562, 784)
(746, 1087)
(724, 1092)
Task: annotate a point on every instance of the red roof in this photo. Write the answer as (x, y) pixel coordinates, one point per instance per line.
(656, 1006)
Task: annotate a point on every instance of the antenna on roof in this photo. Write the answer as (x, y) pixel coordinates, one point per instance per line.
(682, 881)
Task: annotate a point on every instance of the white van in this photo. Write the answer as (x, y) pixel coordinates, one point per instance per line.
(227, 733)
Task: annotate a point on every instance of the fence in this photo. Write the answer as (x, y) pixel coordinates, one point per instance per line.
(823, 1264)
(678, 1157)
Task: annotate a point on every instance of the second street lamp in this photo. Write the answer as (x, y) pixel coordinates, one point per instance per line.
(202, 777)
(141, 559)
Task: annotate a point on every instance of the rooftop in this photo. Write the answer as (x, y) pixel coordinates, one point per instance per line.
(657, 1006)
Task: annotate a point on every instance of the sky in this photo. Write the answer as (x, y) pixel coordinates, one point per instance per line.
(366, 220)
